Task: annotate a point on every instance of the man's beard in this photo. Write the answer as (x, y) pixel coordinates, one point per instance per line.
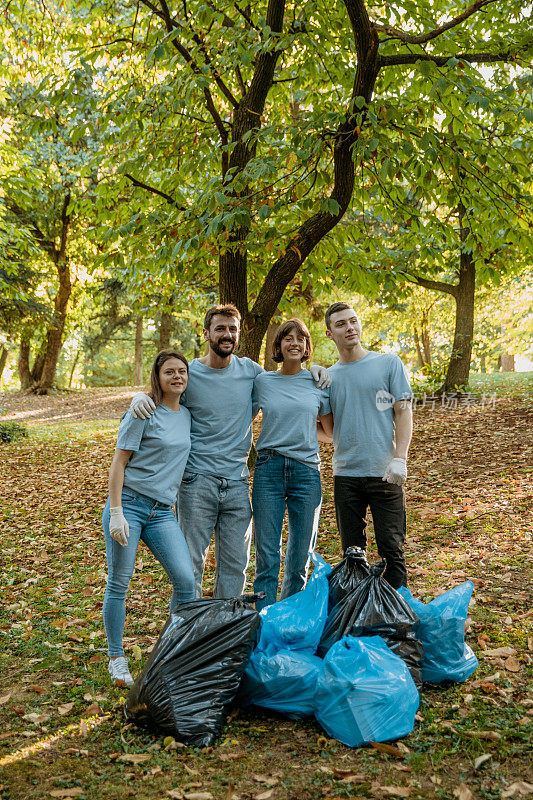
(216, 348)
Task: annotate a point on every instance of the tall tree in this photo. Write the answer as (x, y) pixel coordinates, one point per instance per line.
(250, 127)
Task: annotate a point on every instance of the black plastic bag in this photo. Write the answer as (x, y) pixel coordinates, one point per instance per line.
(374, 608)
(193, 673)
(347, 574)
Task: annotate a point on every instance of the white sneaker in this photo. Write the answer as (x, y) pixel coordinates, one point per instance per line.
(120, 674)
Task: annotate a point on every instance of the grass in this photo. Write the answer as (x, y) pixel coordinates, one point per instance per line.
(468, 506)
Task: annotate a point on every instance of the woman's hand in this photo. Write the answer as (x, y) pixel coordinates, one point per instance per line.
(119, 529)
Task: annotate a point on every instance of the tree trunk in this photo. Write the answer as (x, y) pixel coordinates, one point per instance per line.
(483, 362)
(507, 362)
(24, 364)
(138, 365)
(424, 335)
(419, 353)
(197, 346)
(74, 365)
(54, 336)
(165, 327)
(3, 358)
(459, 365)
(269, 362)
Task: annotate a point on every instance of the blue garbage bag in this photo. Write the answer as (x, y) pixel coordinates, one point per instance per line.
(284, 682)
(374, 608)
(442, 632)
(366, 693)
(297, 622)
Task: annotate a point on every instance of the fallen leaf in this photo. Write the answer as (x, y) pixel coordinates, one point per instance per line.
(500, 651)
(518, 788)
(396, 791)
(92, 710)
(190, 770)
(266, 779)
(36, 688)
(137, 652)
(390, 749)
(96, 658)
(77, 790)
(463, 792)
(197, 796)
(512, 664)
(480, 760)
(4, 699)
(264, 795)
(66, 708)
(135, 758)
(492, 736)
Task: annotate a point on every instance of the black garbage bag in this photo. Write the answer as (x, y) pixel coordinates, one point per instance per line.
(374, 608)
(193, 673)
(347, 574)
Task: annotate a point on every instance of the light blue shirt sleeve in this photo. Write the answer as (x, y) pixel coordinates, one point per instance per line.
(130, 432)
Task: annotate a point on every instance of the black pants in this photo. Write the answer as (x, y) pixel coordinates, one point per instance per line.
(386, 501)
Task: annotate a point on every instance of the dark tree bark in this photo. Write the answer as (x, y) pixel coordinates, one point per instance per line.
(24, 364)
(459, 364)
(165, 330)
(507, 363)
(3, 359)
(269, 362)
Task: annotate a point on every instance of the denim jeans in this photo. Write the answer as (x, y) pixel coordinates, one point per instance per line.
(208, 503)
(157, 526)
(353, 495)
(281, 482)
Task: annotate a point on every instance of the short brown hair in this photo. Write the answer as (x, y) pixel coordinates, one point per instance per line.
(284, 329)
(156, 393)
(226, 309)
(340, 306)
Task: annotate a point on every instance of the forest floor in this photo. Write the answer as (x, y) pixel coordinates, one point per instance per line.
(61, 734)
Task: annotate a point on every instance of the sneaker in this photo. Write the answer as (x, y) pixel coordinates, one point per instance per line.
(120, 674)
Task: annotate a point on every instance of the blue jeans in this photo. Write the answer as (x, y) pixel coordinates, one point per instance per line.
(278, 482)
(209, 503)
(157, 526)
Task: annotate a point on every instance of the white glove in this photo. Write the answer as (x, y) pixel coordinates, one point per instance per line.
(119, 529)
(321, 376)
(142, 406)
(396, 472)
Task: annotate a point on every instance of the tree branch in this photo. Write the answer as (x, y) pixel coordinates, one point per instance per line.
(395, 33)
(441, 61)
(171, 25)
(153, 190)
(48, 245)
(436, 286)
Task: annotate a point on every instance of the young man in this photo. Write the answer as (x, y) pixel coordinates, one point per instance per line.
(370, 399)
(213, 495)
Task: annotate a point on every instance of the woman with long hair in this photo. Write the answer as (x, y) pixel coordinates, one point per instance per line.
(287, 467)
(144, 478)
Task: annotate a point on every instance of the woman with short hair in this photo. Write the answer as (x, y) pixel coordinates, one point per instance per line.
(144, 478)
(287, 467)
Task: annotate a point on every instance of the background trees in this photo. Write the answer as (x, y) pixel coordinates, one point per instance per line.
(219, 150)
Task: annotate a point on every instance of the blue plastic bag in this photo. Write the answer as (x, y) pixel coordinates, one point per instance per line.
(297, 622)
(366, 693)
(442, 632)
(284, 682)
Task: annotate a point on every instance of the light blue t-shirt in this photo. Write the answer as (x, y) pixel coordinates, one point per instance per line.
(160, 447)
(290, 406)
(362, 394)
(220, 402)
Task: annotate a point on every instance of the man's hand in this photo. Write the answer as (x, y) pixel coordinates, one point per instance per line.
(119, 529)
(396, 472)
(321, 376)
(142, 406)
